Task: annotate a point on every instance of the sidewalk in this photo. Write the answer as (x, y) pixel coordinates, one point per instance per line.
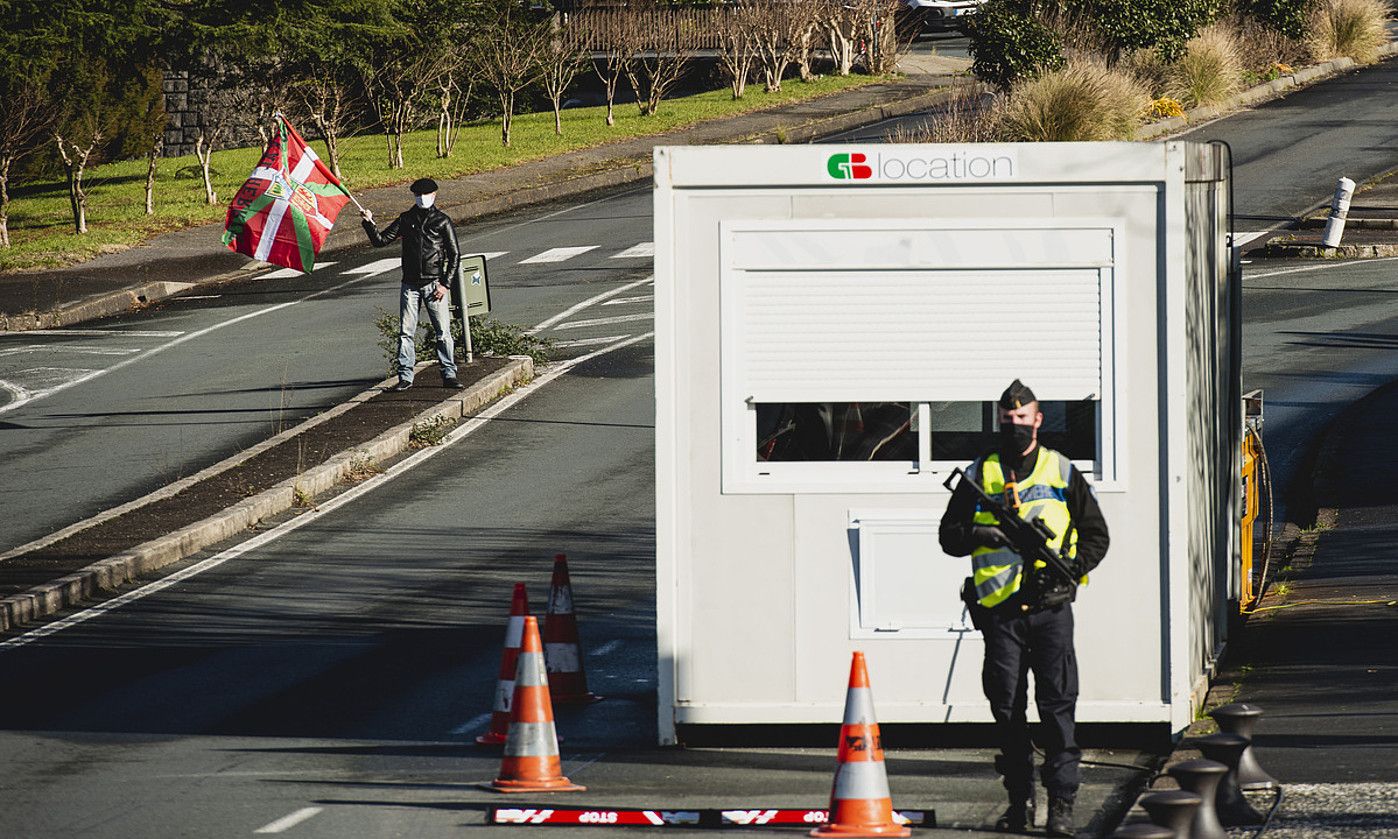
(172, 262)
(1320, 656)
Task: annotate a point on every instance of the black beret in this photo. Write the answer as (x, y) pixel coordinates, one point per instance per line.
(423, 186)
(1017, 395)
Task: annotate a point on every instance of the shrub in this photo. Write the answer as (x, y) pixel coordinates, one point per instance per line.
(1287, 17)
(1165, 108)
(1163, 25)
(1261, 48)
(1152, 71)
(1083, 101)
(1208, 71)
(1009, 43)
(1352, 28)
(488, 337)
(967, 117)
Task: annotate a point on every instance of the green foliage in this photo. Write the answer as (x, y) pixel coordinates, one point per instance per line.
(489, 337)
(1285, 16)
(1010, 42)
(1163, 25)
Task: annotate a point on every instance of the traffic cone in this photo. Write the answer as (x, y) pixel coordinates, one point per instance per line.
(531, 761)
(505, 685)
(562, 649)
(860, 804)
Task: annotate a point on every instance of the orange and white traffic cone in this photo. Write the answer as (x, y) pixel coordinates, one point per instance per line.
(562, 648)
(531, 762)
(860, 804)
(505, 685)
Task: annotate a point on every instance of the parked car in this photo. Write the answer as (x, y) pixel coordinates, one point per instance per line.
(940, 15)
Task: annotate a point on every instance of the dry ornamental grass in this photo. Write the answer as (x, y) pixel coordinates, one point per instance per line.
(1083, 101)
(1209, 70)
(1348, 28)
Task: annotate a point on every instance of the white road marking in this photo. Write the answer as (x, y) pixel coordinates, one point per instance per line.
(548, 374)
(378, 266)
(580, 324)
(605, 649)
(183, 337)
(578, 307)
(1305, 268)
(491, 254)
(621, 301)
(184, 297)
(557, 255)
(644, 249)
(126, 333)
(587, 342)
(68, 348)
(472, 724)
(286, 273)
(1240, 239)
(289, 821)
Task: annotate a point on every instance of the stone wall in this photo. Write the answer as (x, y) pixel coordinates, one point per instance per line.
(187, 102)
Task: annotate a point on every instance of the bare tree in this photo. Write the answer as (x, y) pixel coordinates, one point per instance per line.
(211, 131)
(76, 156)
(563, 57)
(615, 33)
(508, 57)
(737, 47)
(879, 32)
(25, 116)
(452, 104)
(667, 39)
(841, 24)
(152, 161)
(329, 102)
(777, 30)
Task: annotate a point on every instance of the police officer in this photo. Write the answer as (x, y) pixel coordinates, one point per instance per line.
(1020, 634)
(431, 258)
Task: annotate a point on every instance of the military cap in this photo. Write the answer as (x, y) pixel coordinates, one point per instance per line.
(1017, 395)
(423, 186)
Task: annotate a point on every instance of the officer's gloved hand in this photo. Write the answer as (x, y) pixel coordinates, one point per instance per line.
(989, 536)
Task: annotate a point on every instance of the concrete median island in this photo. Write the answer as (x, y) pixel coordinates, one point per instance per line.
(343, 445)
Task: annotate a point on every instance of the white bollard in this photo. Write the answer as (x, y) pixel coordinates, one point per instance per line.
(1339, 211)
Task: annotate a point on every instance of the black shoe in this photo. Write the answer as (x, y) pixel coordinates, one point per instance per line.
(1060, 816)
(403, 384)
(451, 383)
(1018, 818)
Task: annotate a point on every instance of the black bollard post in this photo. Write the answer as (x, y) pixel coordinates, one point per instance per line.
(1233, 809)
(1240, 718)
(1202, 777)
(1143, 831)
(1173, 808)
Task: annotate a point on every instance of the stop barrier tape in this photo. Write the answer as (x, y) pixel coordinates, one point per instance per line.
(755, 817)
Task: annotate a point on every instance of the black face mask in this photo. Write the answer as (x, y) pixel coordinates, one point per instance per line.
(1014, 439)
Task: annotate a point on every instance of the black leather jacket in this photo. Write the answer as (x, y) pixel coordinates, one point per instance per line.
(430, 251)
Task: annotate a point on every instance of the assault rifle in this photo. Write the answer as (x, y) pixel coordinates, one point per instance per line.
(1052, 585)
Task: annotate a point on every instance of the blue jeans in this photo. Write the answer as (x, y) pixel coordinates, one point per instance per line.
(410, 300)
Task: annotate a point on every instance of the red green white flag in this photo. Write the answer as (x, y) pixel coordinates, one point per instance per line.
(285, 209)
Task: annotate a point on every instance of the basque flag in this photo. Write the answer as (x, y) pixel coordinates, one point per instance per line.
(285, 209)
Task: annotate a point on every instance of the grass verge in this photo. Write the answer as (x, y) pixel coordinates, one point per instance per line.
(41, 223)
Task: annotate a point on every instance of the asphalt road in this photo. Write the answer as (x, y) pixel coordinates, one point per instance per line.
(93, 416)
(328, 682)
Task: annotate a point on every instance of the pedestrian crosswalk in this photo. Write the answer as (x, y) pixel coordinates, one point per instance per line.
(549, 256)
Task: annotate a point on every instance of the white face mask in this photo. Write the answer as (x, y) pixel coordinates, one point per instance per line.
(425, 201)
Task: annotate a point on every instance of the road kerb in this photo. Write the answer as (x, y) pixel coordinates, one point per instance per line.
(107, 574)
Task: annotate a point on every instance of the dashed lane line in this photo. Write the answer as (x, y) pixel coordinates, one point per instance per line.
(550, 373)
(591, 301)
(125, 333)
(69, 348)
(287, 273)
(644, 249)
(289, 821)
(1320, 267)
(557, 255)
(586, 322)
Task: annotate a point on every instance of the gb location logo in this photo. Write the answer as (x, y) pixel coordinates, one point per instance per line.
(852, 166)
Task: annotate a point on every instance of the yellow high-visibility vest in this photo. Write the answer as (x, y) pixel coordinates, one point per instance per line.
(998, 572)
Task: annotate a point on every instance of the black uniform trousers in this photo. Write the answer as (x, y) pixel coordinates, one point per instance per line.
(1015, 644)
